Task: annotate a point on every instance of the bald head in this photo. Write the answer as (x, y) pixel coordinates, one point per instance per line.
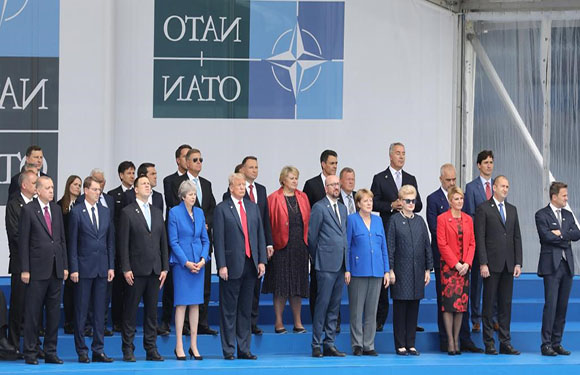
(447, 177)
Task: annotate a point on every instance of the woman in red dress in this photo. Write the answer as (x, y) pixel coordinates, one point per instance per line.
(457, 246)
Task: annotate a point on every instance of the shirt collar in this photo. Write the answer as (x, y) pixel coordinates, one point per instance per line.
(394, 171)
(88, 205)
(332, 202)
(554, 208)
(140, 202)
(484, 181)
(498, 202)
(444, 192)
(26, 200)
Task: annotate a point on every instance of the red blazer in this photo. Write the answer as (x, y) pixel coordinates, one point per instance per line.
(448, 238)
(279, 216)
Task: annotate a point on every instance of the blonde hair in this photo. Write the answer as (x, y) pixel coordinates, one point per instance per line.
(286, 171)
(361, 193)
(407, 190)
(454, 190)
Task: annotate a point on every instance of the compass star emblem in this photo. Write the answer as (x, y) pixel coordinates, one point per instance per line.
(296, 60)
(3, 11)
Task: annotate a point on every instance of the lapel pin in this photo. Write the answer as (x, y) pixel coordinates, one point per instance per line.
(84, 210)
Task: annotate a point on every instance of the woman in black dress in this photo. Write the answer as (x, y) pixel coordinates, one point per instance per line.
(287, 271)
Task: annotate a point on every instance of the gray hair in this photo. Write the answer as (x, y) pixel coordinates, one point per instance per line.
(97, 171)
(185, 188)
(446, 166)
(393, 145)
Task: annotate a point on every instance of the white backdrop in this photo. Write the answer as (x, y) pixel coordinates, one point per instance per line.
(398, 86)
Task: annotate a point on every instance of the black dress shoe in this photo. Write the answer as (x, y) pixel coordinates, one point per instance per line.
(379, 328)
(402, 351)
(508, 349)
(247, 355)
(163, 329)
(317, 353)
(470, 347)
(357, 351)
(414, 352)
(154, 356)
(560, 350)
(205, 330)
(31, 361)
(108, 332)
(372, 353)
(84, 358)
(257, 330)
(229, 357)
(548, 351)
(129, 357)
(69, 328)
(101, 357)
(53, 359)
(490, 349)
(420, 329)
(6, 346)
(333, 352)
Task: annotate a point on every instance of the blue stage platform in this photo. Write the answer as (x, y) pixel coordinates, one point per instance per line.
(290, 353)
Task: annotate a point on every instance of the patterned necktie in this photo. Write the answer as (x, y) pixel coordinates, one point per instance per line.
(252, 197)
(147, 214)
(487, 191)
(501, 212)
(48, 220)
(559, 216)
(245, 229)
(350, 204)
(336, 212)
(94, 218)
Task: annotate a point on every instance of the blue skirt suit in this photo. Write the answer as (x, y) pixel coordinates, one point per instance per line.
(189, 242)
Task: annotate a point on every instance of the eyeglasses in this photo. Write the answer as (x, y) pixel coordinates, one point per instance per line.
(409, 201)
(195, 160)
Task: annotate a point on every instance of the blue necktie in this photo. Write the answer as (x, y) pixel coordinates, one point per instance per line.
(94, 217)
(501, 213)
(198, 188)
(147, 215)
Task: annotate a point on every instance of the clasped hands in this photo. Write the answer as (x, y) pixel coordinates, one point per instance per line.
(462, 268)
(195, 267)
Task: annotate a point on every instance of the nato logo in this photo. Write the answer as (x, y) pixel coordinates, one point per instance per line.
(296, 65)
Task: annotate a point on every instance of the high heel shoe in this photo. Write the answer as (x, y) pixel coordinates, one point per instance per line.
(196, 357)
(178, 357)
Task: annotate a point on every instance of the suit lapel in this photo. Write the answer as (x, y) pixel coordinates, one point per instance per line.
(86, 215)
(40, 216)
(496, 211)
(332, 213)
(391, 180)
(142, 217)
(237, 218)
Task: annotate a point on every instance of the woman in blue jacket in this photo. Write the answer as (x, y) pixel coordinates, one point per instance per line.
(367, 269)
(189, 252)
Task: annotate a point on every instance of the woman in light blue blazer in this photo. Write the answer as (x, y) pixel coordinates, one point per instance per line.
(189, 251)
(367, 269)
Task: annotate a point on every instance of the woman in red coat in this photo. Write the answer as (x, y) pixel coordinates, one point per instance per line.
(287, 271)
(456, 242)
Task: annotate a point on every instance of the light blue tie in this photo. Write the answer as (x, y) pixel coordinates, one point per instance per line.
(501, 213)
(147, 214)
(198, 187)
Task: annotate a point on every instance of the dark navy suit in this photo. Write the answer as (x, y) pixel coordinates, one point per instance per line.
(327, 244)
(92, 254)
(474, 196)
(236, 292)
(556, 271)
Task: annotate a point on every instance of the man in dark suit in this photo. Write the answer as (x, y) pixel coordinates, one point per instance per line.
(44, 265)
(91, 253)
(7, 350)
(327, 245)
(34, 157)
(315, 190)
(476, 192)
(126, 171)
(499, 248)
(347, 192)
(171, 196)
(556, 229)
(437, 203)
(385, 187)
(144, 261)
(27, 183)
(240, 253)
(156, 198)
(206, 201)
(256, 193)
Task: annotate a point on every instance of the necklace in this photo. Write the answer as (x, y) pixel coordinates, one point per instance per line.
(293, 208)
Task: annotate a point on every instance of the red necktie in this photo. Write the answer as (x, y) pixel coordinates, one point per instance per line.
(487, 191)
(245, 229)
(252, 197)
(47, 219)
